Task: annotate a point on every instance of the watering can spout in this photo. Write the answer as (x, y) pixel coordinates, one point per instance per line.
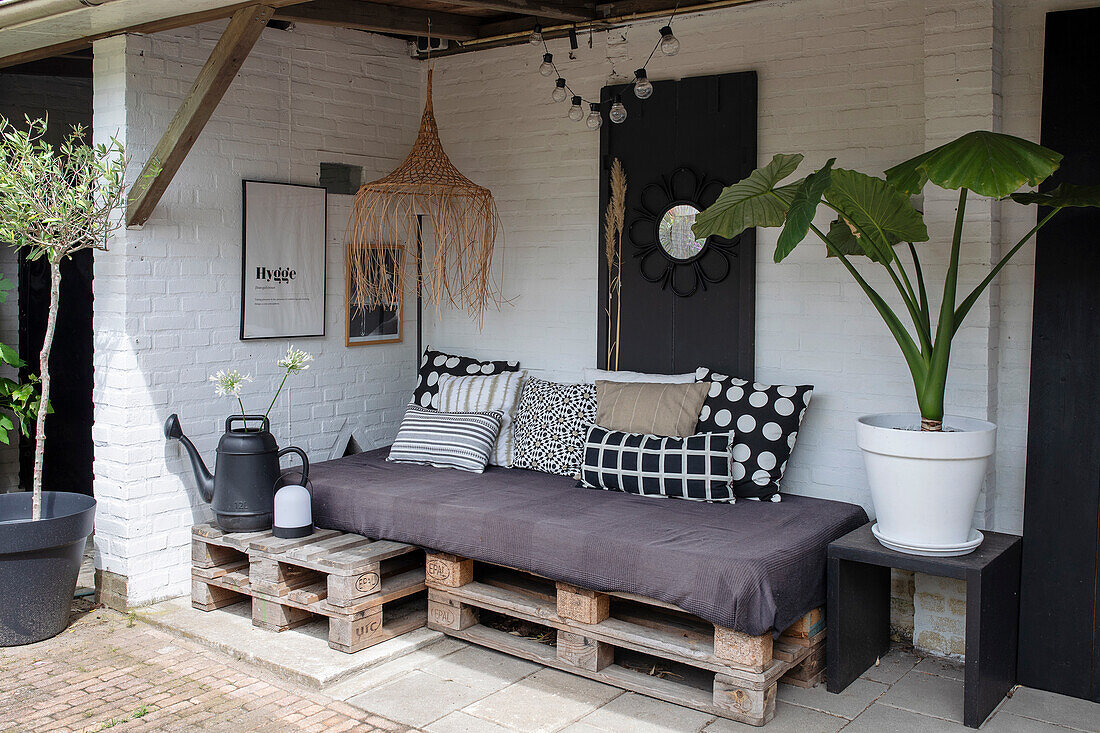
(203, 477)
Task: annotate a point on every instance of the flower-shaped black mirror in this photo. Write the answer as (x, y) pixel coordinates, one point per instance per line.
(660, 232)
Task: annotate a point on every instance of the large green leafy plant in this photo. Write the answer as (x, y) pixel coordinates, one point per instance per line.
(873, 217)
(54, 202)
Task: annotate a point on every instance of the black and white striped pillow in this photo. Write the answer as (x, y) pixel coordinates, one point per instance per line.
(696, 467)
(462, 440)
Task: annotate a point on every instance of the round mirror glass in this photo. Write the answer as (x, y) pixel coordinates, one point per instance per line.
(674, 233)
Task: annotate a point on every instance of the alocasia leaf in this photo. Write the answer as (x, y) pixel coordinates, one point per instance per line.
(751, 202)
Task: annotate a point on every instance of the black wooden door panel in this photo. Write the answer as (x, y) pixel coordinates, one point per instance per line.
(1059, 616)
(689, 133)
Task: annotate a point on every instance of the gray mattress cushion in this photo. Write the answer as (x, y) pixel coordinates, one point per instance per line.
(752, 566)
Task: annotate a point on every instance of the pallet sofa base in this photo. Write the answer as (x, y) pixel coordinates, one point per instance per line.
(638, 644)
(369, 591)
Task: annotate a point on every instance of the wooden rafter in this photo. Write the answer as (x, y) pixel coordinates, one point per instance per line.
(569, 10)
(215, 77)
(367, 16)
(153, 26)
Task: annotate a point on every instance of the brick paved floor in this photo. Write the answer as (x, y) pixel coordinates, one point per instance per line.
(106, 671)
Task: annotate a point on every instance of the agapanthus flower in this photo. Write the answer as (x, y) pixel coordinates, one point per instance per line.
(228, 383)
(295, 360)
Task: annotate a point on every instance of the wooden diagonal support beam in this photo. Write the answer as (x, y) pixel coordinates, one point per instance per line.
(573, 10)
(366, 16)
(215, 77)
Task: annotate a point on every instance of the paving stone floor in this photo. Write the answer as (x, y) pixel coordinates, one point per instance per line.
(109, 669)
(453, 687)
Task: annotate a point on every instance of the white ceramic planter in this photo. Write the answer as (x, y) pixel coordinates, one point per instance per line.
(925, 485)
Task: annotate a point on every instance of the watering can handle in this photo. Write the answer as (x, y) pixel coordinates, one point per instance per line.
(265, 424)
(305, 461)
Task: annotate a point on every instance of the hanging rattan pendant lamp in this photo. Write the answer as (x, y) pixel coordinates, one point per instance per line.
(464, 222)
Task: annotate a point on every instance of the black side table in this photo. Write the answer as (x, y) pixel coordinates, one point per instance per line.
(859, 612)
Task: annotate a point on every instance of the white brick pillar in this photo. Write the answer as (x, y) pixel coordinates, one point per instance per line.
(142, 536)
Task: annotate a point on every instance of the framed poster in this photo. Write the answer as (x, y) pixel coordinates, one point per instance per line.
(283, 261)
(382, 324)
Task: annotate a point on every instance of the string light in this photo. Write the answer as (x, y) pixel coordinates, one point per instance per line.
(618, 110)
(669, 45)
(547, 67)
(643, 87)
(594, 120)
(576, 112)
(559, 94)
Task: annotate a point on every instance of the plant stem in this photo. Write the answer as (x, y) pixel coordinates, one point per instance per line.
(242, 413)
(930, 398)
(280, 389)
(44, 376)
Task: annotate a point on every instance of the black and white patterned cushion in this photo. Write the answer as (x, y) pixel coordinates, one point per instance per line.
(462, 440)
(696, 467)
(550, 426)
(765, 419)
(436, 363)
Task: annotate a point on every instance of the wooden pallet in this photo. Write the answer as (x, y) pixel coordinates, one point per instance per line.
(639, 644)
(369, 590)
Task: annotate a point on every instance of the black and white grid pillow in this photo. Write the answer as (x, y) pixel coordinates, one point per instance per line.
(462, 440)
(696, 467)
(765, 418)
(436, 363)
(550, 425)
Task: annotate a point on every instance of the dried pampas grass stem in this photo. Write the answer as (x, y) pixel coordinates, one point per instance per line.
(613, 252)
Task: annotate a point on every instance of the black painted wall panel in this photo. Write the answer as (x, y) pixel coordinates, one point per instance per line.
(707, 124)
(1059, 612)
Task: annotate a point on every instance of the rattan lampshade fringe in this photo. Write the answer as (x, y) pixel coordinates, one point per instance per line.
(460, 215)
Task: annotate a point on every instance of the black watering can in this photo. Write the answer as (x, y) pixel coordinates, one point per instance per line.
(242, 490)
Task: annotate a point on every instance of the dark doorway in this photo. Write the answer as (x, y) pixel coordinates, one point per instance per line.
(1059, 601)
(681, 146)
(61, 90)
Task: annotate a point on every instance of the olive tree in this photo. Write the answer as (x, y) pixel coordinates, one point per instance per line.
(55, 202)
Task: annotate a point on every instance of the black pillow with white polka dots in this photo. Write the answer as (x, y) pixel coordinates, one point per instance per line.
(436, 363)
(765, 420)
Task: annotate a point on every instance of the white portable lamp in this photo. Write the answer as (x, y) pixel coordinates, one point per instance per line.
(293, 509)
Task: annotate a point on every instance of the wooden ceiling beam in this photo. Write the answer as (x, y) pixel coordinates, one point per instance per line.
(154, 26)
(378, 18)
(572, 10)
(214, 78)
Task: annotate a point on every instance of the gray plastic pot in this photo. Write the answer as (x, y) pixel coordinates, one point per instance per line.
(40, 562)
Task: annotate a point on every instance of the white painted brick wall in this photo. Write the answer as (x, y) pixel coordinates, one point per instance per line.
(168, 296)
(66, 102)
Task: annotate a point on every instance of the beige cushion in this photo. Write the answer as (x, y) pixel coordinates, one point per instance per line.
(643, 407)
(591, 376)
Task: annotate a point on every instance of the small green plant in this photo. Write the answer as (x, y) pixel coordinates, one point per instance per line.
(18, 400)
(873, 216)
(55, 202)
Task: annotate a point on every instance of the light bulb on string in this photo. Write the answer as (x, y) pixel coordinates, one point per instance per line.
(576, 112)
(618, 111)
(536, 36)
(547, 67)
(643, 88)
(594, 120)
(559, 94)
(669, 45)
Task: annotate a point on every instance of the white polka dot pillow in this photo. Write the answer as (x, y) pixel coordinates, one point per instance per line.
(436, 363)
(766, 420)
